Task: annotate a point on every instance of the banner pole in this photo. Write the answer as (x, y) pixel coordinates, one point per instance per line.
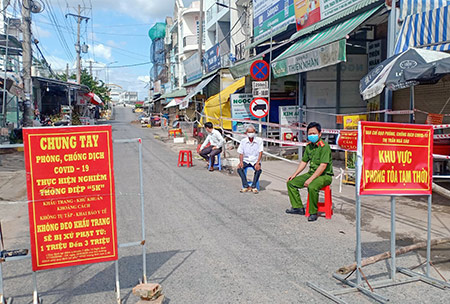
(116, 267)
(35, 291)
(141, 181)
(2, 297)
(358, 208)
(393, 264)
(429, 236)
(358, 231)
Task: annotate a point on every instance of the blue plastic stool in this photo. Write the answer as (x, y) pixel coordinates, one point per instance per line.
(218, 164)
(250, 182)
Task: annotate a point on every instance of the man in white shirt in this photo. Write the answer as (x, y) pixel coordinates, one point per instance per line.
(215, 140)
(250, 152)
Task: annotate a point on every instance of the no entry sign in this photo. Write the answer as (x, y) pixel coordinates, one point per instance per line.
(259, 70)
(259, 107)
(396, 158)
(70, 185)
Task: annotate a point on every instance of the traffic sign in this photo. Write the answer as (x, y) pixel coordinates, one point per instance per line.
(260, 88)
(259, 70)
(259, 107)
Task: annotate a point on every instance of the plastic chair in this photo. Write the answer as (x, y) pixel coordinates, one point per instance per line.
(218, 164)
(188, 160)
(251, 182)
(325, 206)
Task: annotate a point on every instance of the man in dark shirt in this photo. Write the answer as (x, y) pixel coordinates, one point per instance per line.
(320, 174)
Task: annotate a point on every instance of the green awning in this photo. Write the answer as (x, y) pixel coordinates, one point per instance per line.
(319, 50)
(243, 68)
(267, 37)
(354, 8)
(178, 93)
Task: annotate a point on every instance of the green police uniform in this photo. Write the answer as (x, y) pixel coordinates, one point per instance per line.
(316, 154)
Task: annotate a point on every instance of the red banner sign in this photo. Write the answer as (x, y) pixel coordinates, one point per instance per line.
(396, 159)
(70, 183)
(348, 140)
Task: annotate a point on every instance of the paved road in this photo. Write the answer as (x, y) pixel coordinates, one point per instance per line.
(208, 243)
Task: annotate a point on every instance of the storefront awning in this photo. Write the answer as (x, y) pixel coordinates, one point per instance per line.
(243, 68)
(174, 102)
(94, 99)
(177, 93)
(197, 89)
(334, 18)
(319, 50)
(412, 7)
(430, 30)
(222, 100)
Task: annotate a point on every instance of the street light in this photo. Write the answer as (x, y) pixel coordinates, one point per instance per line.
(107, 71)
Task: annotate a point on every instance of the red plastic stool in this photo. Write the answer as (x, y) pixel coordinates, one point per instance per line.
(188, 160)
(326, 206)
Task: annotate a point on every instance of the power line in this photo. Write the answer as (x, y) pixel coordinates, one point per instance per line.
(125, 25)
(100, 42)
(56, 25)
(119, 34)
(123, 66)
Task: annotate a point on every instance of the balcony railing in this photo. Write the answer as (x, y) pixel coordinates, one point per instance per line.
(239, 51)
(190, 40)
(214, 9)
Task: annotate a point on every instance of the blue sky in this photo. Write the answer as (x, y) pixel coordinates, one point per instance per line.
(116, 32)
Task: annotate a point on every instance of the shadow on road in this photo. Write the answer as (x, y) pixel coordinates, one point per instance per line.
(130, 272)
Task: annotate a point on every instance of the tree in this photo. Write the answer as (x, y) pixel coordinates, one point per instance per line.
(97, 87)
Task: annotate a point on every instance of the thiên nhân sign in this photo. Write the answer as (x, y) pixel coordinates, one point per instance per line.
(396, 158)
(70, 183)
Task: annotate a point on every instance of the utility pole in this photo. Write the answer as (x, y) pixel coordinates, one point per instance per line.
(67, 71)
(78, 45)
(90, 69)
(26, 58)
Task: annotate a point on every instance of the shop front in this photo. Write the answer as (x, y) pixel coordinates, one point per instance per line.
(329, 64)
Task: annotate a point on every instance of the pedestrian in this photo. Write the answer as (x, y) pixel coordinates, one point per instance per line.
(320, 174)
(250, 152)
(216, 142)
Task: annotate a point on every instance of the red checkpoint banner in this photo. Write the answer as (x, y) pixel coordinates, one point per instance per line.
(397, 158)
(70, 186)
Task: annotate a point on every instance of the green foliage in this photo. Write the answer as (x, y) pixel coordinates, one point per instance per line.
(96, 86)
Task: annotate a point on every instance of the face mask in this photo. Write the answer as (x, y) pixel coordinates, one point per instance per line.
(313, 138)
(251, 135)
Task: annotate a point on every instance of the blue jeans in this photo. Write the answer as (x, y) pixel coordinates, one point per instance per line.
(241, 172)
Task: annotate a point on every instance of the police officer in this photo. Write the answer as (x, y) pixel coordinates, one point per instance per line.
(320, 174)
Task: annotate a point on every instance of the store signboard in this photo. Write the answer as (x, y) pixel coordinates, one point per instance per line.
(309, 12)
(326, 55)
(192, 68)
(374, 53)
(289, 116)
(211, 58)
(240, 109)
(271, 15)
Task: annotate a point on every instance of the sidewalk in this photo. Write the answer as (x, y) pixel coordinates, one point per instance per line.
(411, 212)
